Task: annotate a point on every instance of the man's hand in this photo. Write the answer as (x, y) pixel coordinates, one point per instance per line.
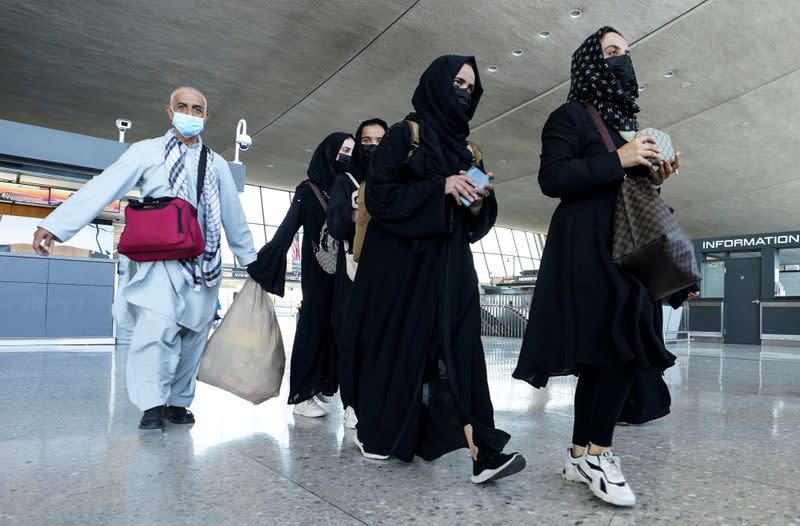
(42, 242)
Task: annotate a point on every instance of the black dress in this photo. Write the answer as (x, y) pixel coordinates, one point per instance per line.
(342, 227)
(585, 311)
(414, 317)
(312, 366)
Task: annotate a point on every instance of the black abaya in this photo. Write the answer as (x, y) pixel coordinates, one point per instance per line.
(414, 317)
(341, 225)
(585, 311)
(313, 368)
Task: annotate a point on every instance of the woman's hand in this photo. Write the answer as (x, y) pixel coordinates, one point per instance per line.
(459, 186)
(664, 170)
(638, 152)
(483, 193)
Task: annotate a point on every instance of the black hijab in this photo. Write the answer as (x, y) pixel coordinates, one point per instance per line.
(321, 169)
(592, 81)
(359, 170)
(439, 112)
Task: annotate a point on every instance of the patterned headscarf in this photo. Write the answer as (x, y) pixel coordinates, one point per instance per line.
(593, 82)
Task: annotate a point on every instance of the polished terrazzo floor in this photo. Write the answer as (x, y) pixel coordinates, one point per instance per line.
(70, 452)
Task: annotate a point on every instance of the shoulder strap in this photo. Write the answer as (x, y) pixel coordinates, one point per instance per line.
(414, 126)
(601, 126)
(352, 179)
(201, 172)
(319, 195)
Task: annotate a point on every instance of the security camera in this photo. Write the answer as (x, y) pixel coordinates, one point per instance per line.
(243, 141)
(123, 125)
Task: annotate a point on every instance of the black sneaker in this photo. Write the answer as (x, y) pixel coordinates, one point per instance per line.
(496, 467)
(153, 418)
(179, 415)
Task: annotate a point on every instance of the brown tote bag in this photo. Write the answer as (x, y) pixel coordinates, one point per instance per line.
(648, 242)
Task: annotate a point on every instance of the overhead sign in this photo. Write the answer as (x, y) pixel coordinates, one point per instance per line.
(751, 241)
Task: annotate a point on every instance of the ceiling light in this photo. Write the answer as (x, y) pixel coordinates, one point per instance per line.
(669, 74)
(308, 150)
(544, 34)
(685, 84)
(270, 166)
(745, 124)
(517, 52)
(492, 69)
(642, 87)
(503, 161)
(575, 13)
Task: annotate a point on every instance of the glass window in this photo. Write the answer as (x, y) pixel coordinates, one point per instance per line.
(788, 282)
(536, 250)
(259, 239)
(496, 267)
(506, 239)
(481, 269)
(522, 243)
(476, 247)
(271, 232)
(489, 242)
(713, 284)
(276, 204)
(528, 264)
(251, 202)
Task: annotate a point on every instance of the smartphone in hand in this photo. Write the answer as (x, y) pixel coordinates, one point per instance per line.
(480, 178)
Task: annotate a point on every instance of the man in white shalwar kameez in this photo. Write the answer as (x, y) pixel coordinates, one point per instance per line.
(169, 305)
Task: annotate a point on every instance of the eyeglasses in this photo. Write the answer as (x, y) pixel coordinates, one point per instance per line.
(463, 84)
(196, 110)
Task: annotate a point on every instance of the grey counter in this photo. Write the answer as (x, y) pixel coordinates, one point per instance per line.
(780, 320)
(56, 297)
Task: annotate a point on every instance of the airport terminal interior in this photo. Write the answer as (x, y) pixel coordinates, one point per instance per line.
(86, 80)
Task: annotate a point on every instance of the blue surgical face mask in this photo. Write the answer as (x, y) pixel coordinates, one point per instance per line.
(187, 125)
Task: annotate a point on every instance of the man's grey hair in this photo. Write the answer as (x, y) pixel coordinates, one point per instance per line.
(176, 90)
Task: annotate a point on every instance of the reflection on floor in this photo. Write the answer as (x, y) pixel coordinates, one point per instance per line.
(70, 452)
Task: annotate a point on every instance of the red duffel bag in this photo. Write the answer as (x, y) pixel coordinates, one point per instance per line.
(163, 228)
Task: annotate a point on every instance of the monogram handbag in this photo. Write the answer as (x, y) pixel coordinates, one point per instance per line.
(648, 242)
(327, 249)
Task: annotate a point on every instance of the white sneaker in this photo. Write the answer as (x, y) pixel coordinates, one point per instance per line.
(605, 479)
(350, 419)
(373, 456)
(570, 472)
(322, 399)
(309, 409)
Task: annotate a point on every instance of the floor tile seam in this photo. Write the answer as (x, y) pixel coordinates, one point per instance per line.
(301, 486)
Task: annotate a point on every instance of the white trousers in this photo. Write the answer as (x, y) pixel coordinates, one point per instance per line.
(163, 360)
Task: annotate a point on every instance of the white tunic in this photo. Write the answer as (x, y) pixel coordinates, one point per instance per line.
(159, 285)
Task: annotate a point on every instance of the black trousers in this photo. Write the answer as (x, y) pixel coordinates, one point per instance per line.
(599, 398)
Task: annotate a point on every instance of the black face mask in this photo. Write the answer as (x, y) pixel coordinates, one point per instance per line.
(367, 151)
(622, 69)
(463, 96)
(343, 163)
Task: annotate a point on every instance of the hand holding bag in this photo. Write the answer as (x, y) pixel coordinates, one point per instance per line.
(648, 242)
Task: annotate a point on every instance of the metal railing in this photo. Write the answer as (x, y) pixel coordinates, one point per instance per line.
(504, 315)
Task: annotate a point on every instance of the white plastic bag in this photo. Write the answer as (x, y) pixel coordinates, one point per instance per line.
(245, 355)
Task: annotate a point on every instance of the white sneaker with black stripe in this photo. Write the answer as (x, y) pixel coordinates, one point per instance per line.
(605, 479)
(570, 472)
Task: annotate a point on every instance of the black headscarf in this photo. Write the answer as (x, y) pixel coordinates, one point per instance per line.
(439, 111)
(321, 169)
(592, 81)
(359, 171)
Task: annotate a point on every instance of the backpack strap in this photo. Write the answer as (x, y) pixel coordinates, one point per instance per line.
(319, 195)
(477, 154)
(353, 179)
(201, 173)
(414, 127)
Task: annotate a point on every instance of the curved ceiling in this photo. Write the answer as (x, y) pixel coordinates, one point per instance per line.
(297, 70)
